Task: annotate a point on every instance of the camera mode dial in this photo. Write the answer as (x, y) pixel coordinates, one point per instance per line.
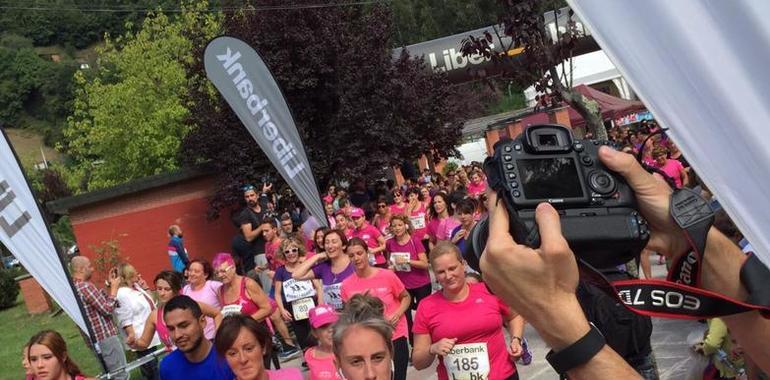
(602, 182)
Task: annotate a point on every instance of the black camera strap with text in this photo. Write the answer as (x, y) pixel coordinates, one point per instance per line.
(681, 295)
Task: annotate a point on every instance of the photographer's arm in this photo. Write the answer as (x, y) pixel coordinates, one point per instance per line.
(722, 260)
(544, 293)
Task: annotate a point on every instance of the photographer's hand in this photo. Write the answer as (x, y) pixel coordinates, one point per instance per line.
(653, 196)
(540, 285)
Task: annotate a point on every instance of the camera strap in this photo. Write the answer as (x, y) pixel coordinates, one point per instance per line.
(681, 295)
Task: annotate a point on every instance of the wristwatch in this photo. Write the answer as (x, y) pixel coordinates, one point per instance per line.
(577, 353)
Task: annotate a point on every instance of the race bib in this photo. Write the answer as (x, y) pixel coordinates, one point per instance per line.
(294, 290)
(229, 310)
(468, 361)
(418, 221)
(333, 295)
(405, 267)
(301, 308)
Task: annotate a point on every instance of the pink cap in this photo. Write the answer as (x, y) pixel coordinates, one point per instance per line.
(322, 315)
(357, 213)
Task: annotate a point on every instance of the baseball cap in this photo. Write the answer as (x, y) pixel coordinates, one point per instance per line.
(322, 315)
(356, 213)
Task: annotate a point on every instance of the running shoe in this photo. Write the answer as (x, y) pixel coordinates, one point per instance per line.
(289, 353)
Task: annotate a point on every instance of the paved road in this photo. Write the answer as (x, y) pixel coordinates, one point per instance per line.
(669, 341)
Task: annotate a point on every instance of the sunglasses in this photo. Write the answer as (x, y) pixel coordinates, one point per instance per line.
(382, 206)
(223, 270)
(291, 250)
(246, 188)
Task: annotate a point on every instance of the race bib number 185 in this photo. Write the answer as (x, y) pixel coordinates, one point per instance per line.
(468, 361)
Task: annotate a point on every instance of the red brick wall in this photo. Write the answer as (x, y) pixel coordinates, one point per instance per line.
(35, 298)
(139, 222)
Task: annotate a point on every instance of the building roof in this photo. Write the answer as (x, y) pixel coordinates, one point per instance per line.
(62, 206)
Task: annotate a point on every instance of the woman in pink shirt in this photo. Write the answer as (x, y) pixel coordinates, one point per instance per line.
(462, 325)
(410, 263)
(201, 288)
(417, 213)
(672, 168)
(168, 284)
(477, 186)
(399, 205)
(442, 223)
(383, 284)
(320, 359)
(382, 217)
(344, 224)
(425, 192)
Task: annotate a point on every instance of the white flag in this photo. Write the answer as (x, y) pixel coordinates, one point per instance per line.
(701, 68)
(23, 231)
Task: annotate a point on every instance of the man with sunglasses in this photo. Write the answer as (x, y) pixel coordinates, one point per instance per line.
(250, 242)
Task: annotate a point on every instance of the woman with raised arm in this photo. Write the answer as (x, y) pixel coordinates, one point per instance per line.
(331, 268)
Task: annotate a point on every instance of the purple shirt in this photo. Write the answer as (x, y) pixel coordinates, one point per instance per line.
(323, 271)
(415, 277)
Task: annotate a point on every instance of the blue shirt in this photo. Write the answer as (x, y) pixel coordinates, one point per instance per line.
(177, 254)
(176, 366)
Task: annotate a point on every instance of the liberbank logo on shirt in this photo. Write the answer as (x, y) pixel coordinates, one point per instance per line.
(245, 81)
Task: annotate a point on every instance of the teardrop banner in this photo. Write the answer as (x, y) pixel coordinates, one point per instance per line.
(245, 81)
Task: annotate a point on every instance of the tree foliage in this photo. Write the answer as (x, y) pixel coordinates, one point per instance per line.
(423, 20)
(357, 110)
(524, 22)
(76, 23)
(128, 121)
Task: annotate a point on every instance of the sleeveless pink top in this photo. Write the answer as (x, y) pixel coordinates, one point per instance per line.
(243, 304)
(161, 329)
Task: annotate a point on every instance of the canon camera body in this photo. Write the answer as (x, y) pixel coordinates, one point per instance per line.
(597, 207)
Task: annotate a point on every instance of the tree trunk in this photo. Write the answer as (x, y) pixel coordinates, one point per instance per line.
(593, 121)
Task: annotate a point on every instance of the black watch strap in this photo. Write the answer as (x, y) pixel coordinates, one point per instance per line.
(577, 353)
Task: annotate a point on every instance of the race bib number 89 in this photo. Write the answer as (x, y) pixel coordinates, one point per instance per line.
(468, 362)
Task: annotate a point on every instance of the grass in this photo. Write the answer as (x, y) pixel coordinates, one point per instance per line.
(16, 327)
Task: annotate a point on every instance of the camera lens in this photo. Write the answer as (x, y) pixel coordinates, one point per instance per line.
(601, 182)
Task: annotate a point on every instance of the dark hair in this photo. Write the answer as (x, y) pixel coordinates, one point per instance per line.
(357, 241)
(185, 303)
(339, 233)
(207, 269)
(443, 197)
(232, 325)
(382, 199)
(173, 279)
(270, 221)
(54, 341)
(323, 231)
(414, 190)
(466, 206)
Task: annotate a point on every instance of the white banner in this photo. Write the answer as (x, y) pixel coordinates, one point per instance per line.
(701, 68)
(24, 233)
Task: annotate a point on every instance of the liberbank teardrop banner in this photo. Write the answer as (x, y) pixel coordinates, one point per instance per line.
(246, 83)
(23, 231)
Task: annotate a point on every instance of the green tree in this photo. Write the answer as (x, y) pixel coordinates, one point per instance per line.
(128, 121)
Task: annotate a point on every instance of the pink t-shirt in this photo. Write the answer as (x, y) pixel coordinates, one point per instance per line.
(271, 248)
(419, 220)
(370, 234)
(441, 229)
(208, 294)
(414, 278)
(475, 190)
(673, 169)
(383, 285)
(477, 319)
(395, 210)
(284, 374)
(321, 368)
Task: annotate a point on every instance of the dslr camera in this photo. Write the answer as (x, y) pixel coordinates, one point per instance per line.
(597, 207)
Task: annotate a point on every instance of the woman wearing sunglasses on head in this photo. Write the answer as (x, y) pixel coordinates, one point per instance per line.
(296, 297)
